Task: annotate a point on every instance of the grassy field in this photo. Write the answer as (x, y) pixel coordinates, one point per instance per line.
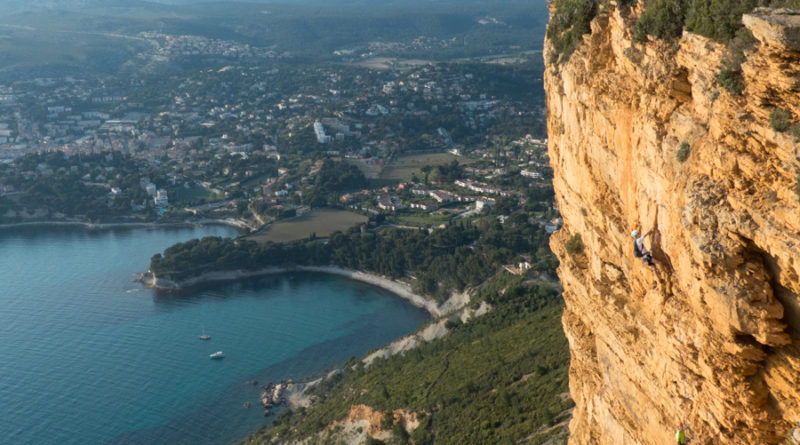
(323, 222)
(403, 167)
(184, 196)
(385, 63)
(423, 219)
(504, 59)
(371, 171)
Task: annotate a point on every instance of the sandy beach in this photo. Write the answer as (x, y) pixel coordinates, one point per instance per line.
(400, 289)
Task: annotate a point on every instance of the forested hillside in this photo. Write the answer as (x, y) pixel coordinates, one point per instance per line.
(499, 379)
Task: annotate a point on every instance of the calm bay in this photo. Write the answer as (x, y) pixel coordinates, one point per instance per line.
(88, 356)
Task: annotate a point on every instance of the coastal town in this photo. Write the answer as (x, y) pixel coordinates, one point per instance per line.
(246, 145)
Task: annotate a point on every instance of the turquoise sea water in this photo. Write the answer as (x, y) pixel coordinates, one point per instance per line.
(89, 356)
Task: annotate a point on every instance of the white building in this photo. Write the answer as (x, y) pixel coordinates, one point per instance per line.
(161, 199)
(319, 130)
(531, 174)
(482, 204)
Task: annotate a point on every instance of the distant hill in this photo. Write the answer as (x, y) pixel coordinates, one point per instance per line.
(16, 6)
(103, 35)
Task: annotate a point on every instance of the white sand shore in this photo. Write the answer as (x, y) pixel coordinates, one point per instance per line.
(400, 289)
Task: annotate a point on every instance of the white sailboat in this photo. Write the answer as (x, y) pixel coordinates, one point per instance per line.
(204, 336)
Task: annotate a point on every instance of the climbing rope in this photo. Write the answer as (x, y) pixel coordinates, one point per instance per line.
(679, 333)
(669, 289)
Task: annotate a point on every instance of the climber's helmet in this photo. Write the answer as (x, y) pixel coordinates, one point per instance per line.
(635, 234)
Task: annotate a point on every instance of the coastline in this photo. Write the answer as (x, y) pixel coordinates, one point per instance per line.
(402, 290)
(127, 225)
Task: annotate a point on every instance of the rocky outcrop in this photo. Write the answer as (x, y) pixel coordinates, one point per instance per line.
(373, 420)
(711, 335)
(363, 422)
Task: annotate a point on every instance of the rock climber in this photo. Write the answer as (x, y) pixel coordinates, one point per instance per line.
(639, 251)
(680, 435)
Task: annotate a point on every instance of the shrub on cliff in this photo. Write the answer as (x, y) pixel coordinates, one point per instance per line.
(795, 131)
(730, 79)
(569, 23)
(574, 245)
(780, 120)
(719, 20)
(729, 75)
(683, 152)
(662, 19)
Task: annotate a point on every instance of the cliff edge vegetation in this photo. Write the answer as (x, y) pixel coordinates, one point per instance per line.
(719, 20)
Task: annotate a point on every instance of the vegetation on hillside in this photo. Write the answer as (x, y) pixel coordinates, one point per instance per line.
(333, 179)
(500, 378)
(460, 255)
(663, 19)
(720, 20)
(568, 24)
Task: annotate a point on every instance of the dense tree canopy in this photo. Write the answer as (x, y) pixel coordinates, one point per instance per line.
(333, 179)
(452, 258)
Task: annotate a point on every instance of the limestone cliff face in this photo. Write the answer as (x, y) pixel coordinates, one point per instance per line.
(716, 342)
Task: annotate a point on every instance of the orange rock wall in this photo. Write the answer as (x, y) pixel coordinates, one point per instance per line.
(714, 339)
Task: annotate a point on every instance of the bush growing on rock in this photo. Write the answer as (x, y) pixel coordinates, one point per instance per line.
(731, 80)
(574, 245)
(795, 131)
(730, 71)
(720, 20)
(568, 25)
(683, 152)
(780, 120)
(662, 19)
